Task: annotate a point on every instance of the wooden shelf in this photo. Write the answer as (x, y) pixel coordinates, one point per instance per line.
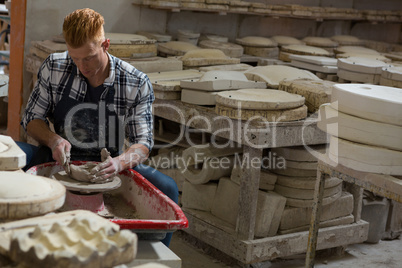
(277, 11)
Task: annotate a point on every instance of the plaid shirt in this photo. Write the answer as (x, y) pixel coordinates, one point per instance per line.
(133, 96)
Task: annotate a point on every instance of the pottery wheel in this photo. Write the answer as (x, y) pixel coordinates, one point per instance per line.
(85, 187)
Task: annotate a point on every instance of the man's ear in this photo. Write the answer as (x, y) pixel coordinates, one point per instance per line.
(106, 44)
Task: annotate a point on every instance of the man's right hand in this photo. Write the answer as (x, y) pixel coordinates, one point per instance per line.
(61, 151)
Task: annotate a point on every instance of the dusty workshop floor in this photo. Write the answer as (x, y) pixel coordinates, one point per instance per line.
(195, 254)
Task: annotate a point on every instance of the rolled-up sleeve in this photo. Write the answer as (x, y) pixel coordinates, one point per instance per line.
(40, 101)
(139, 127)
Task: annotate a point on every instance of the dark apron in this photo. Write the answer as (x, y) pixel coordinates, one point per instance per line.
(89, 127)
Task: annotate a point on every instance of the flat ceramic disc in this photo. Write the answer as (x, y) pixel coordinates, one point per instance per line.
(23, 195)
(85, 187)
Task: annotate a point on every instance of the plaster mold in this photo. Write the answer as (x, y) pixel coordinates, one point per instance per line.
(198, 97)
(199, 196)
(361, 65)
(363, 55)
(315, 93)
(365, 158)
(230, 49)
(221, 80)
(267, 179)
(265, 52)
(300, 153)
(156, 64)
(359, 130)
(158, 77)
(269, 115)
(256, 41)
(319, 41)
(161, 38)
(259, 99)
(205, 57)
(213, 37)
(128, 39)
(11, 156)
(316, 60)
(305, 50)
(347, 40)
(359, 77)
(301, 165)
(295, 172)
(305, 194)
(376, 103)
(392, 73)
(173, 85)
(356, 49)
(23, 195)
(226, 67)
(86, 241)
(167, 95)
(175, 48)
(274, 74)
(296, 217)
(283, 40)
(314, 67)
(305, 203)
(307, 183)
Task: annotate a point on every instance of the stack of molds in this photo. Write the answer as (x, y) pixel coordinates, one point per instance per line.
(206, 57)
(213, 37)
(156, 64)
(188, 36)
(286, 51)
(230, 49)
(365, 124)
(274, 74)
(391, 76)
(175, 48)
(296, 180)
(347, 40)
(358, 69)
(322, 42)
(43, 49)
(259, 46)
(359, 51)
(71, 239)
(131, 45)
(321, 65)
(284, 40)
(262, 104)
(270, 207)
(11, 156)
(315, 93)
(166, 85)
(203, 90)
(160, 38)
(215, 186)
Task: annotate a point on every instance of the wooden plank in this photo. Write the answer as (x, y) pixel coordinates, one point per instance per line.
(17, 40)
(315, 219)
(249, 186)
(270, 248)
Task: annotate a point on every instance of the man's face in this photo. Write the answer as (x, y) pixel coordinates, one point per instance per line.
(91, 58)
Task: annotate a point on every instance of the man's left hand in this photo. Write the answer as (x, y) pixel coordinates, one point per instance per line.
(107, 169)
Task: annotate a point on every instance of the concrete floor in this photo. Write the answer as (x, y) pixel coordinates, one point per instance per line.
(195, 254)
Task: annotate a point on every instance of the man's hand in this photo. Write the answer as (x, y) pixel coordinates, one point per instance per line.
(61, 151)
(107, 169)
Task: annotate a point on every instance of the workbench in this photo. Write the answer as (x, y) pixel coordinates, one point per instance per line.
(357, 181)
(239, 242)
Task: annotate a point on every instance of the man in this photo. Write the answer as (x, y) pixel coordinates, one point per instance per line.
(95, 101)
